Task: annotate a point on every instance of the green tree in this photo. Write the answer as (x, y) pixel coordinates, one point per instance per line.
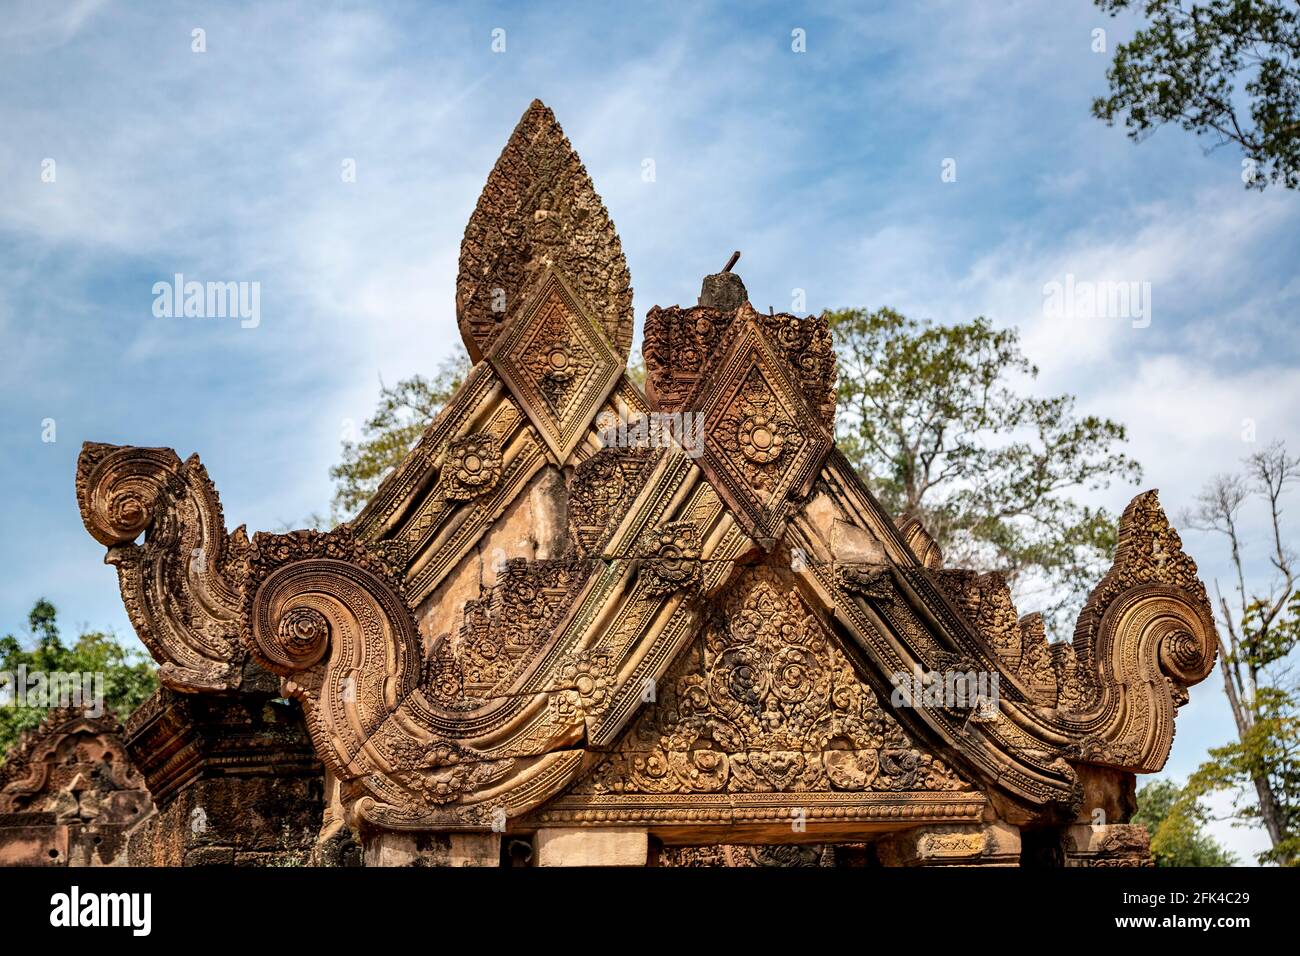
(1176, 823)
(404, 411)
(129, 676)
(1229, 69)
(931, 418)
(1260, 617)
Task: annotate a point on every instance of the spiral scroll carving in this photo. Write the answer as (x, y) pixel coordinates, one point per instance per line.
(118, 488)
(325, 612)
(1185, 657)
(182, 585)
(302, 637)
(1149, 618)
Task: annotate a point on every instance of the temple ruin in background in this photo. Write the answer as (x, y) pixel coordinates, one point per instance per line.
(69, 794)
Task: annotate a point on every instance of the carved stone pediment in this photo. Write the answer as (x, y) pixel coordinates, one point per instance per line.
(538, 620)
(765, 722)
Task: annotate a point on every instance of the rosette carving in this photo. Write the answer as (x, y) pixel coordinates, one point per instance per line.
(761, 437)
(671, 558)
(473, 466)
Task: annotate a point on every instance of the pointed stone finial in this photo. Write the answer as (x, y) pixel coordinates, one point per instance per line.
(540, 210)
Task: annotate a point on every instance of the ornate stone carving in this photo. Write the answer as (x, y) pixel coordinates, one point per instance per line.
(69, 793)
(182, 585)
(501, 632)
(763, 444)
(539, 210)
(557, 364)
(527, 629)
(1108, 845)
(682, 345)
(780, 855)
(671, 558)
(74, 766)
(767, 704)
(472, 466)
(599, 492)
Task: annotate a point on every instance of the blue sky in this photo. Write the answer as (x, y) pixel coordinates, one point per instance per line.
(824, 168)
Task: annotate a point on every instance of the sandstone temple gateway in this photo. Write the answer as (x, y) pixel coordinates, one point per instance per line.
(533, 648)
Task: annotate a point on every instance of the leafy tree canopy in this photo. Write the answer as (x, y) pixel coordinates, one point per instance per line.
(129, 676)
(935, 420)
(404, 411)
(1225, 68)
(1176, 822)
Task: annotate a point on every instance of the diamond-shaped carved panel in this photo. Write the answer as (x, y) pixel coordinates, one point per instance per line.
(763, 443)
(557, 364)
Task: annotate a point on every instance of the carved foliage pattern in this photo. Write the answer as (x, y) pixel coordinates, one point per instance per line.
(762, 443)
(681, 345)
(767, 703)
(557, 365)
(599, 492)
(1021, 643)
(500, 634)
(540, 210)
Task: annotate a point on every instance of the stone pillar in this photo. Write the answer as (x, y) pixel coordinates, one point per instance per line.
(233, 776)
(390, 848)
(989, 844)
(594, 846)
(1111, 844)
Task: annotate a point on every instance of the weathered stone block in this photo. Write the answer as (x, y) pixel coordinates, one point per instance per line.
(574, 846)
